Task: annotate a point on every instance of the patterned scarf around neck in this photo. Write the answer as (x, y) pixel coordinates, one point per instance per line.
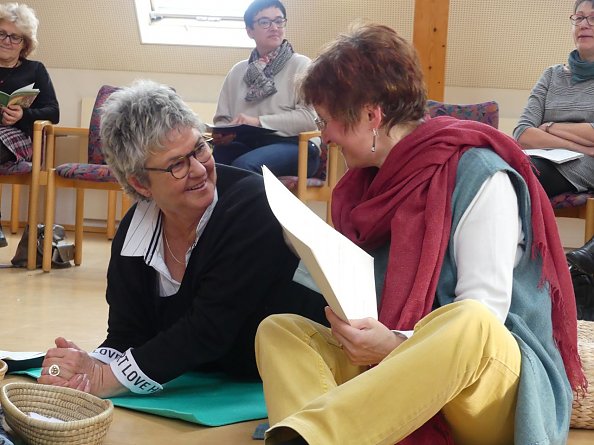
(581, 70)
(259, 76)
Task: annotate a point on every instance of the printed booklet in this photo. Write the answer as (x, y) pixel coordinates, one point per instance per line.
(23, 96)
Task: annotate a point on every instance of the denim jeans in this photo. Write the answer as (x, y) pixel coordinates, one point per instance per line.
(280, 157)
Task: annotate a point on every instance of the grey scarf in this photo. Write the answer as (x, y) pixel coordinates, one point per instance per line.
(259, 76)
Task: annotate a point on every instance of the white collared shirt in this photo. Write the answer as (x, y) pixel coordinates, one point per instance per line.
(144, 238)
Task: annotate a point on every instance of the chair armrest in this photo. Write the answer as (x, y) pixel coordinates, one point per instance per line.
(38, 146)
(304, 138)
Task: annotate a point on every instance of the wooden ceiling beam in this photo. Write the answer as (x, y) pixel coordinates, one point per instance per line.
(430, 36)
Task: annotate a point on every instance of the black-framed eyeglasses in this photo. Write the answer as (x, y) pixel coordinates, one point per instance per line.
(265, 23)
(576, 19)
(180, 168)
(14, 39)
(320, 123)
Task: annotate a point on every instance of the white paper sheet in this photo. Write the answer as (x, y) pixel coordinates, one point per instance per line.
(11, 355)
(342, 271)
(557, 155)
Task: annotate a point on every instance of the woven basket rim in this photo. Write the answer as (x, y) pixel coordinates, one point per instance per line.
(10, 409)
(582, 415)
(3, 369)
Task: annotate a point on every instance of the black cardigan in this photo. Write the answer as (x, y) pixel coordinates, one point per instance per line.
(45, 106)
(239, 272)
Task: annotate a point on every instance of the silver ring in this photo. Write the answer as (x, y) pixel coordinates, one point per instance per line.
(54, 370)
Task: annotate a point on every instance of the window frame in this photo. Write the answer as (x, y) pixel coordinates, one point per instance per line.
(162, 26)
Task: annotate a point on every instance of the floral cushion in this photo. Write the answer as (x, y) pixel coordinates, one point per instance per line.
(86, 172)
(485, 112)
(566, 200)
(95, 153)
(15, 168)
(291, 182)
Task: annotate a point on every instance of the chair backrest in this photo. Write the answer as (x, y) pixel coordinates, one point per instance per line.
(94, 147)
(485, 112)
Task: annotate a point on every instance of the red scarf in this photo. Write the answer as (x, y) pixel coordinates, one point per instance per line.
(407, 202)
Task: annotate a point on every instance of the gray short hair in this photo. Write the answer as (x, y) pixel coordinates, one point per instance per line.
(577, 4)
(135, 121)
(25, 20)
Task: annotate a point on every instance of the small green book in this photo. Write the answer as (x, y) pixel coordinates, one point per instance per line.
(23, 96)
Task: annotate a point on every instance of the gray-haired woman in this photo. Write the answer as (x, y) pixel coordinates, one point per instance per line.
(18, 39)
(196, 264)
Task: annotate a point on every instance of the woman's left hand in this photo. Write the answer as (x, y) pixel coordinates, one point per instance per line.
(11, 114)
(245, 119)
(365, 341)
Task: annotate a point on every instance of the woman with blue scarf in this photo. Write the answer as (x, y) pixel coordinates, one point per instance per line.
(560, 111)
(261, 92)
(560, 114)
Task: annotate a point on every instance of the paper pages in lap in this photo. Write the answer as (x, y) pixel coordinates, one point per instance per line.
(556, 155)
(342, 271)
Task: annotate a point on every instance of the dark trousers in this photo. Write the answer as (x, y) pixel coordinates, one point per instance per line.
(549, 177)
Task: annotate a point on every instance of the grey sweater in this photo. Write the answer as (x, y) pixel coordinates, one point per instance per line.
(555, 99)
(282, 111)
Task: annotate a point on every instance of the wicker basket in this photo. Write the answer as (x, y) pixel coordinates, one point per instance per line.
(86, 417)
(582, 415)
(3, 369)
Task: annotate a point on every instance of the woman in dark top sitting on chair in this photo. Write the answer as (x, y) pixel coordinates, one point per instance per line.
(18, 39)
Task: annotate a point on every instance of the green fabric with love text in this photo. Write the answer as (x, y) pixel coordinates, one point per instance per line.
(210, 399)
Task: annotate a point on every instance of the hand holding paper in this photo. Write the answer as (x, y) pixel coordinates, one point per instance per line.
(342, 270)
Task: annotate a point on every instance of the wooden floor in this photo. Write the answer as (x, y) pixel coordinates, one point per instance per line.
(36, 307)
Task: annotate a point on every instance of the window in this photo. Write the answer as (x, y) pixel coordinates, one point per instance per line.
(193, 22)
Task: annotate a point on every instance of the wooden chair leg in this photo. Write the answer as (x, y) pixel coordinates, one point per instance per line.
(78, 226)
(14, 208)
(112, 197)
(32, 222)
(50, 209)
(589, 231)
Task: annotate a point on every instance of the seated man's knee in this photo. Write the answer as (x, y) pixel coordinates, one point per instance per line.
(245, 163)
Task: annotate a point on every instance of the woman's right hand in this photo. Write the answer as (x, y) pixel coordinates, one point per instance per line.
(11, 114)
(365, 341)
(78, 370)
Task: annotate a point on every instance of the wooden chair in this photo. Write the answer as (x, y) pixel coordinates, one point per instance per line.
(90, 173)
(319, 187)
(576, 205)
(33, 174)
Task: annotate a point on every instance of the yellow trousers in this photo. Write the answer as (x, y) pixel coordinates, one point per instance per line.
(461, 360)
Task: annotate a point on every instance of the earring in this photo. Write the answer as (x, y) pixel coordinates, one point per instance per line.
(374, 136)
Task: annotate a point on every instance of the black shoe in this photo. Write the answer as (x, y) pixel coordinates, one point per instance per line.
(3, 242)
(583, 258)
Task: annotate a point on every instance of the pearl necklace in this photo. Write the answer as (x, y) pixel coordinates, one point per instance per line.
(169, 249)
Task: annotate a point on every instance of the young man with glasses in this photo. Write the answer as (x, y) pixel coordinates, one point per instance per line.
(261, 92)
